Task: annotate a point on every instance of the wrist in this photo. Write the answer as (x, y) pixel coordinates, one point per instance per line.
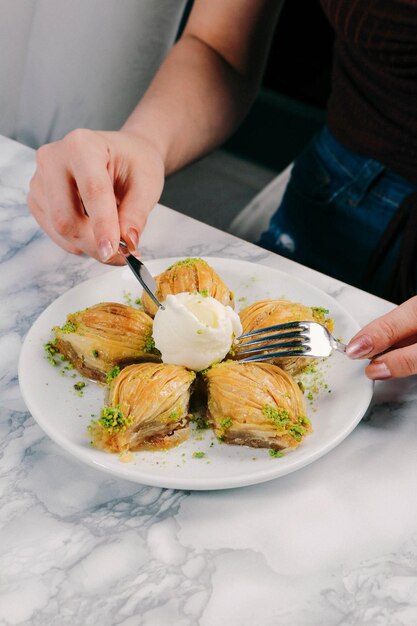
(142, 138)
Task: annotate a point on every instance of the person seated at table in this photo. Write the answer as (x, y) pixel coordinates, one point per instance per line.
(351, 192)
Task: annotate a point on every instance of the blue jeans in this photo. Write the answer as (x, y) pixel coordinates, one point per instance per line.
(334, 211)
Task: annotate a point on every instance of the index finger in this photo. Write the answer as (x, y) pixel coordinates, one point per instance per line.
(95, 187)
(385, 332)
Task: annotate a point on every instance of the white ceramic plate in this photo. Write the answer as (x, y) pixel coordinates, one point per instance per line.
(64, 416)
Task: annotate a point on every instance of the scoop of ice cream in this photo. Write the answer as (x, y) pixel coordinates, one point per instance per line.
(194, 330)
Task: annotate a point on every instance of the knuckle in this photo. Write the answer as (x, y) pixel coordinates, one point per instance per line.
(78, 137)
(387, 331)
(43, 156)
(93, 188)
(407, 362)
(62, 225)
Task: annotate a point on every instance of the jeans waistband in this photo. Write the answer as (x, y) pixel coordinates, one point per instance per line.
(362, 170)
(354, 165)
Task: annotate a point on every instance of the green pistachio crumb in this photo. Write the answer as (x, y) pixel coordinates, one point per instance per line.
(199, 455)
(79, 388)
(200, 422)
(226, 422)
(149, 345)
(112, 420)
(69, 327)
(275, 454)
(173, 416)
(112, 374)
(189, 262)
(51, 351)
(50, 347)
(127, 297)
(277, 415)
(95, 353)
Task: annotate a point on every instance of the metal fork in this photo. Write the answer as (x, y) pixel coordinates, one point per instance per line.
(307, 339)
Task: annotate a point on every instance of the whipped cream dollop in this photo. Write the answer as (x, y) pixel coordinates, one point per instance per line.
(195, 330)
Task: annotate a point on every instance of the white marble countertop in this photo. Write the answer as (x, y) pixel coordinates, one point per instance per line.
(334, 543)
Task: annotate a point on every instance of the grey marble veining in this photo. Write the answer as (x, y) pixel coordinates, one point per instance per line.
(334, 543)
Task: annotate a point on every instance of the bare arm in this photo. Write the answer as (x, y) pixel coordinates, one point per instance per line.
(197, 98)
(209, 80)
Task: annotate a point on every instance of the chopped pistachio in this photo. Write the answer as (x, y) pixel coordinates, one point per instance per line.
(112, 420)
(112, 374)
(69, 327)
(200, 422)
(79, 387)
(276, 454)
(149, 345)
(277, 415)
(226, 422)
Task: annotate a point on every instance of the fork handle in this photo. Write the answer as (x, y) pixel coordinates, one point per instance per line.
(339, 346)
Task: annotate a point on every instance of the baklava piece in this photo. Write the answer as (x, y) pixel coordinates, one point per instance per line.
(257, 405)
(147, 409)
(105, 337)
(192, 276)
(270, 312)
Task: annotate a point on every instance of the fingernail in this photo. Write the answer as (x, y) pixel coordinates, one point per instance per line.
(359, 347)
(105, 250)
(378, 371)
(133, 235)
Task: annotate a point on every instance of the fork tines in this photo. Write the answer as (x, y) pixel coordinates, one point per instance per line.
(262, 346)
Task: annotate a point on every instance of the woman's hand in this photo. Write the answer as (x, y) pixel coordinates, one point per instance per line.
(390, 342)
(92, 188)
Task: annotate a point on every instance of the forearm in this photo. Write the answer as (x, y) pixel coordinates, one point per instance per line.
(94, 187)
(194, 103)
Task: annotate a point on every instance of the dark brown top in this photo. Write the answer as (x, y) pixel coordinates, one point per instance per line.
(373, 105)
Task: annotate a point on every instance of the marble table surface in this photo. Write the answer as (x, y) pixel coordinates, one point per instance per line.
(333, 543)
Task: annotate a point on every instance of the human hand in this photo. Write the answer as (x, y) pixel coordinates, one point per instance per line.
(390, 342)
(92, 188)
